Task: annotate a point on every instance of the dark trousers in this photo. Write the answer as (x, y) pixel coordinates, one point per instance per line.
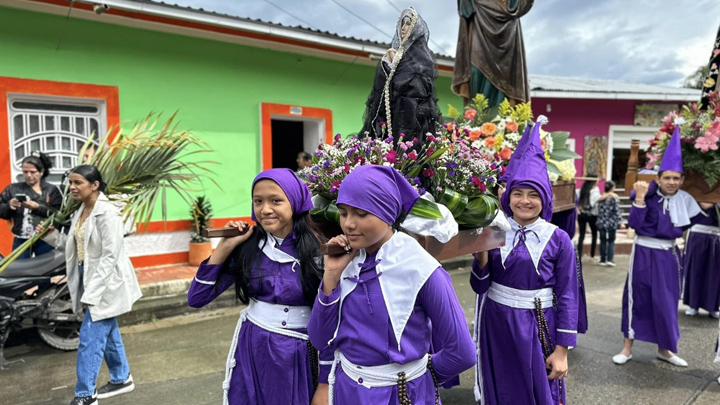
(38, 248)
(607, 245)
(583, 221)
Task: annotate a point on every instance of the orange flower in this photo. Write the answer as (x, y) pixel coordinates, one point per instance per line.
(475, 134)
(543, 143)
(511, 126)
(490, 142)
(505, 154)
(488, 129)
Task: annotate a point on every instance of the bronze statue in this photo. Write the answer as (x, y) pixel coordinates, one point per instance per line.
(490, 55)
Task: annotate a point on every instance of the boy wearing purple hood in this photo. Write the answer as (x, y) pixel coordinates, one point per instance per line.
(659, 214)
(527, 294)
(374, 303)
(275, 272)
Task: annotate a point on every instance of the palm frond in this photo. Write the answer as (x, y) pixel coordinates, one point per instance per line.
(138, 166)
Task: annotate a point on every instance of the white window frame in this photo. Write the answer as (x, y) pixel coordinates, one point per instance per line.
(620, 136)
(100, 116)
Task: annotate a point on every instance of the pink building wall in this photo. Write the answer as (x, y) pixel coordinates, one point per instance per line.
(583, 117)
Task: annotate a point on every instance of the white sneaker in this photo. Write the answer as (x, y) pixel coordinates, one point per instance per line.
(595, 259)
(621, 359)
(674, 360)
(715, 314)
(691, 312)
(603, 264)
(611, 264)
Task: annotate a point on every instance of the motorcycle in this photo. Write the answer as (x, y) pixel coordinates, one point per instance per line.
(34, 294)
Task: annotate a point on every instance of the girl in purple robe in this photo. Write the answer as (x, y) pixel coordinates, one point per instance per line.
(375, 303)
(527, 295)
(659, 214)
(701, 262)
(275, 272)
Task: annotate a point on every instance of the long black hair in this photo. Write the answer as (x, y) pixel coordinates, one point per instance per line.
(41, 161)
(245, 260)
(585, 190)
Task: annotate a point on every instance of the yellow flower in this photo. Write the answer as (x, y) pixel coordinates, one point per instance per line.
(453, 112)
(567, 169)
(498, 142)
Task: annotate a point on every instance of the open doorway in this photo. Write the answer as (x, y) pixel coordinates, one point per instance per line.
(287, 141)
(288, 130)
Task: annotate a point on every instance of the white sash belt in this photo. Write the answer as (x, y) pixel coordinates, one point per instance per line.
(375, 376)
(521, 299)
(706, 229)
(654, 243)
(280, 319)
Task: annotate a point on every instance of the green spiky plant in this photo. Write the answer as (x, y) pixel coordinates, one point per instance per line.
(139, 166)
(200, 215)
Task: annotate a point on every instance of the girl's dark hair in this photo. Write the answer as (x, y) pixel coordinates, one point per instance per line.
(245, 260)
(609, 185)
(91, 174)
(41, 161)
(585, 190)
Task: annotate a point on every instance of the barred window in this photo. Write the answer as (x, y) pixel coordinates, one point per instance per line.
(58, 126)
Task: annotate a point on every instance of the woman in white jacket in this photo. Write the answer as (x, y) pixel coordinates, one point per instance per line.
(102, 281)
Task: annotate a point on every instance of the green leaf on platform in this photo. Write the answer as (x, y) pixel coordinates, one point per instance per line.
(426, 209)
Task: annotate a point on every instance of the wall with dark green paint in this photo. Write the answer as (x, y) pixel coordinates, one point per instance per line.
(216, 87)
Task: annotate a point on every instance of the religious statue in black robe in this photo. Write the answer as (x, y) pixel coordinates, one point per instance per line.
(403, 94)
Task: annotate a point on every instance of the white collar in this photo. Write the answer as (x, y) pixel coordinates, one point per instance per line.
(537, 236)
(405, 267)
(269, 247)
(680, 205)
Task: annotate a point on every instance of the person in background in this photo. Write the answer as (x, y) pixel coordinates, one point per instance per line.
(303, 160)
(588, 197)
(608, 221)
(660, 213)
(102, 283)
(701, 263)
(30, 202)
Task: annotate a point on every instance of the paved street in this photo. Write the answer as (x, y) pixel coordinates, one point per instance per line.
(180, 360)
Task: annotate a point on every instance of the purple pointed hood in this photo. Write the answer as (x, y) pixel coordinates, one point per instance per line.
(530, 172)
(672, 159)
(295, 189)
(519, 150)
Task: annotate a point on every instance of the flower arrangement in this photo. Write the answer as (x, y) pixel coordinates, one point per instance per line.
(700, 136)
(496, 132)
(452, 171)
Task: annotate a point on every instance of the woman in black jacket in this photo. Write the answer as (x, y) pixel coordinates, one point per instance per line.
(30, 202)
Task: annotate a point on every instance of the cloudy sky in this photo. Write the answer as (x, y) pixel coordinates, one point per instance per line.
(647, 41)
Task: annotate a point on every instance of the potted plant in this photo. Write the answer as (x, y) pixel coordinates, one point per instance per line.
(200, 246)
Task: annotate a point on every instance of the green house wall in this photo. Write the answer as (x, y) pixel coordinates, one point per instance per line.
(216, 87)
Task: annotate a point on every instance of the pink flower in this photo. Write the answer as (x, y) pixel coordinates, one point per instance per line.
(413, 156)
(479, 184)
(470, 114)
(402, 146)
(346, 169)
(652, 158)
(705, 143)
(429, 172)
(391, 157)
(430, 151)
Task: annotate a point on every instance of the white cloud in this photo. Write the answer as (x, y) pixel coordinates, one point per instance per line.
(649, 41)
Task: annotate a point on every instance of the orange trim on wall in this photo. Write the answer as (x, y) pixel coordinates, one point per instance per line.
(159, 260)
(267, 110)
(217, 29)
(184, 225)
(48, 88)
